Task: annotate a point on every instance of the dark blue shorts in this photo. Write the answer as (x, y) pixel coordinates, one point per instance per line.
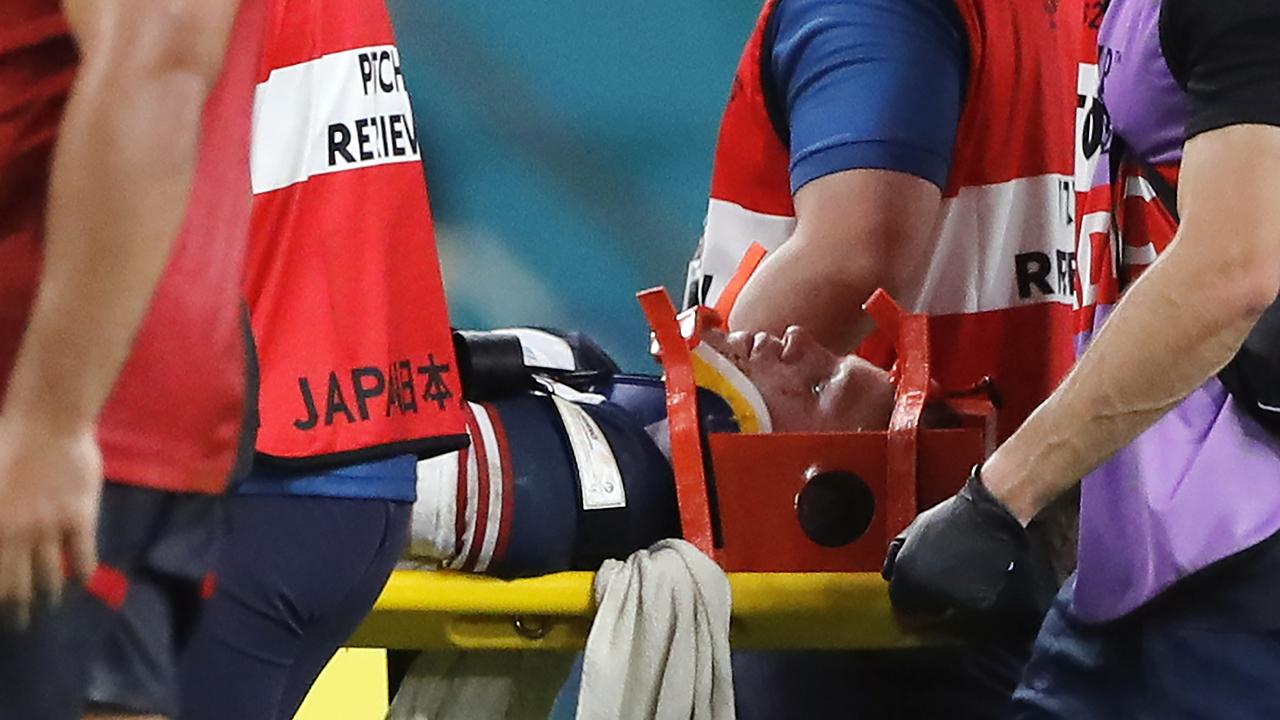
(114, 644)
(296, 576)
(1181, 659)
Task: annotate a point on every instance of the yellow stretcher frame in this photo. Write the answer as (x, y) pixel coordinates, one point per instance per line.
(426, 610)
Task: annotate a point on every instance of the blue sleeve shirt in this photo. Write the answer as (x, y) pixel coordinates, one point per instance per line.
(394, 478)
(874, 84)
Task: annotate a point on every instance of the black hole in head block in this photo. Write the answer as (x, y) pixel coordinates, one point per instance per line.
(835, 508)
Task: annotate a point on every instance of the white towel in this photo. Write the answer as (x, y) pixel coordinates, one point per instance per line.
(659, 645)
(492, 685)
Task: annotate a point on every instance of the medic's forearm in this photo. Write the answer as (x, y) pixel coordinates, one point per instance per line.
(1175, 328)
(1161, 344)
(118, 192)
(796, 285)
(856, 231)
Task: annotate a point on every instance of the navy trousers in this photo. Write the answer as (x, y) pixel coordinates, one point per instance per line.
(960, 683)
(298, 575)
(115, 645)
(1181, 660)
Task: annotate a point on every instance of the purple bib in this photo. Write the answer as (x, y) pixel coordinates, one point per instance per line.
(1203, 483)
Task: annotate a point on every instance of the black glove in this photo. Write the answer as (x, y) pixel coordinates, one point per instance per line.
(971, 556)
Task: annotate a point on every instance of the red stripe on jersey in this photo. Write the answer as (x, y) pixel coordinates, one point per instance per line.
(482, 494)
(508, 490)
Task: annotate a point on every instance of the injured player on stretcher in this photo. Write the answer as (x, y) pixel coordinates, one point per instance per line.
(519, 504)
(570, 466)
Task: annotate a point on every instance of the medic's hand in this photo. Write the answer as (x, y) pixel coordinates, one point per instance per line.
(960, 556)
(50, 481)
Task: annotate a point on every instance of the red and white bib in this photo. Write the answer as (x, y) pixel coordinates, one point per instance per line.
(1000, 281)
(344, 282)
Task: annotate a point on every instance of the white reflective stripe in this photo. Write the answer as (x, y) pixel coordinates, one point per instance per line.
(434, 535)
(1096, 222)
(999, 246)
(1144, 255)
(564, 391)
(730, 230)
(338, 112)
(493, 458)
(599, 478)
(1138, 186)
(473, 494)
(542, 349)
(983, 237)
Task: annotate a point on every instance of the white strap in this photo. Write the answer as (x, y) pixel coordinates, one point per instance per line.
(598, 473)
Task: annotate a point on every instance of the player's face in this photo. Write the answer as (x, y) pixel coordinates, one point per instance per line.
(807, 387)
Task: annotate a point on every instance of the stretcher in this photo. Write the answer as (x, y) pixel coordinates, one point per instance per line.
(427, 610)
(800, 578)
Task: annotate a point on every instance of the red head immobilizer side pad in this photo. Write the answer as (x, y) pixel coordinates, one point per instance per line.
(815, 502)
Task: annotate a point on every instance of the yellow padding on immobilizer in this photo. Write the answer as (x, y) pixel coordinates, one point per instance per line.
(716, 373)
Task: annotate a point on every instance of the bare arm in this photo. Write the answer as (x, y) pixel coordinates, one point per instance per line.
(121, 175)
(118, 192)
(1176, 327)
(856, 231)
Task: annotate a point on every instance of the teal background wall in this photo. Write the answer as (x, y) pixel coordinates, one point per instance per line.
(568, 147)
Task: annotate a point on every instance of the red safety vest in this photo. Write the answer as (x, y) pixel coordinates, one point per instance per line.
(173, 420)
(343, 282)
(1123, 224)
(999, 284)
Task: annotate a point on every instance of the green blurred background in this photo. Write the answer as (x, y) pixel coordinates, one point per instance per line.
(568, 147)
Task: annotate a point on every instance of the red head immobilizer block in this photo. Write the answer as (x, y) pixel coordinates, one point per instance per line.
(815, 502)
